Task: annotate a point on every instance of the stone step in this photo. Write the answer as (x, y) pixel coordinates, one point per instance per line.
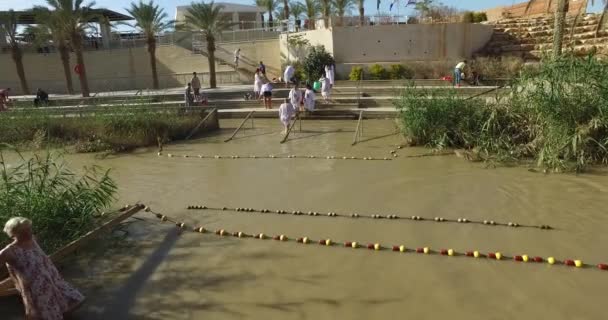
(547, 20)
(548, 42)
(542, 25)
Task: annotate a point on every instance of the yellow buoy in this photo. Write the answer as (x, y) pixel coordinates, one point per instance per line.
(551, 260)
(402, 248)
(525, 258)
(377, 246)
(240, 234)
(305, 240)
(354, 245)
(578, 263)
(283, 238)
(476, 254)
(170, 155)
(426, 250)
(328, 242)
(450, 252)
(498, 255)
(159, 154)
(261, 236)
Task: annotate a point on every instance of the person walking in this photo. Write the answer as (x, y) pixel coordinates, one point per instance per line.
(45, 294)
(288, 74)
(237, 57)
(286, 112)
(257, 84)
(330, 74)
(309, 99)
(196, 85)
(4, 99)
(262, 68)
(295, 96)
(188, 96)
(325, 89)
(458, 72)
(267, 95)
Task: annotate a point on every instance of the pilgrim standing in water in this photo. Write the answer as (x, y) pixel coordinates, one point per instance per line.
(286, 112)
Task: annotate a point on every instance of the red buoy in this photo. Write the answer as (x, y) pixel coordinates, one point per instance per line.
(420, 250)
(492, 255)
(602, 266)
(444, 252)
(300, 240)
(395, 248)
(469, 254)
(518, 258)
(370, 246)
(538, 259)
(275, 238)
(348, 244)
(322, 242)
(569, 262)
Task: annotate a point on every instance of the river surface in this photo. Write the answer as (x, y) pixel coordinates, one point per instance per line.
(156, 273)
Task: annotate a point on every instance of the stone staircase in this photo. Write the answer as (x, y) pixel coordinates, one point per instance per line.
(531, 38)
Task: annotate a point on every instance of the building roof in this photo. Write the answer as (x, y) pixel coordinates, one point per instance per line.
(231, 7)
(28, 17)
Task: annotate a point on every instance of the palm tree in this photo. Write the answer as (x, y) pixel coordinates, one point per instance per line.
(270, 6)
(326, 8)
(74, 19)
(312, 10)
(286, 9)
(560, 22)
(297, 9)
(151, 20)
(49, 29)
(207, 18)
(341, 7)
(361, 12)
(8, 26)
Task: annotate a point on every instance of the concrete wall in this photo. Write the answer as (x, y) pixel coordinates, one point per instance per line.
(322, 37)
(255, 51)
(395, 43)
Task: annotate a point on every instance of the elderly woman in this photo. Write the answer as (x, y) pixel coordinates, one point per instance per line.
(46, 296)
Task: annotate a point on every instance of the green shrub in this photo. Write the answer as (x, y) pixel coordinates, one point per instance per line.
(61, 204)
(315, 62)
(468, 17)
(356, 73)
(480, 17)
(377, 72)
(398, 71)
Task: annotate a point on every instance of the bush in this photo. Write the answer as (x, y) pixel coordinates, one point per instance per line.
(398, 72)
(468, 17)
(61, 205)
(480, 17)
(356, 73)
(315, 62)
(497, 68)
(377, 72)
(549, 117)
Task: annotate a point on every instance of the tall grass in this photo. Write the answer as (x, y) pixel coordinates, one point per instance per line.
(115, 129)
(557, 114)
(61, 204)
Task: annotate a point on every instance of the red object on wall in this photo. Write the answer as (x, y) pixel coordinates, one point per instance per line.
(78, 69)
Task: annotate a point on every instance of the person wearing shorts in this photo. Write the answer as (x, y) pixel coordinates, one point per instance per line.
(267, 95)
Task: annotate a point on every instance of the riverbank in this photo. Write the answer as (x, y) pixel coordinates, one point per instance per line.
(558, 116)
(113, 129)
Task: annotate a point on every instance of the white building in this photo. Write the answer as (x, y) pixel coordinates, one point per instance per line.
(244, 16)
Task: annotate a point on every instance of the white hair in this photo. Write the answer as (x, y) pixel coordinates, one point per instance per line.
(14, 224)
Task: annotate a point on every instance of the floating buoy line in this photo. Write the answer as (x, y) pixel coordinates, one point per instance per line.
(372, 216)
(448, 252)
(271, 156)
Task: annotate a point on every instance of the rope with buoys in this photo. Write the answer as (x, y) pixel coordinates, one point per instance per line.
(372, 216)
(498, 256)
(271, 156)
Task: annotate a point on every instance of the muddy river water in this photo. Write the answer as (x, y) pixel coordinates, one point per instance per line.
(154, 273)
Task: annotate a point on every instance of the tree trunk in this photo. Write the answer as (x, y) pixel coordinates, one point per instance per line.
(326, 13)
(211, 58)
(152, 54)
(269, 21)
(18, 59)
(558, 29)
(361, 14)
(84, 84)
(286, 9)
(64, 54)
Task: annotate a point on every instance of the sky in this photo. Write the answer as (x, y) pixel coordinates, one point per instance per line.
(370, 5)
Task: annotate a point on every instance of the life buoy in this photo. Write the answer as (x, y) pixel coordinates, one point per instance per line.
(78, 69)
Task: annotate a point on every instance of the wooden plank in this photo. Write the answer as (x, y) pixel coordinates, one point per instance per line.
(240, 126)
(290, 127)
(6, 285)
(201, 123)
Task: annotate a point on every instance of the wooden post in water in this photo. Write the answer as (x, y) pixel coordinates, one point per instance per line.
(201, 123)
(359, 128)
(241, 125)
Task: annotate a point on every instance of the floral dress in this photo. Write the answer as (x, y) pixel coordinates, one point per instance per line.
(46, 296)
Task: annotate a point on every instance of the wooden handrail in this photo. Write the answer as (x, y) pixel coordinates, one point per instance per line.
(214, 110)
(290, 127)
(356, 137)
(240, 126)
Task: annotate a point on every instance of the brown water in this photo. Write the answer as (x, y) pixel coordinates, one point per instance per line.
(157, 274)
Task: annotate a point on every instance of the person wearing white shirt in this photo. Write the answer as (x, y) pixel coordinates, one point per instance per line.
(458, 71)
(267, 95)
(237, 57)
(325, 88)
(286, 112)
(309, 99)
(295, 96)
(329, 74)
(257, 84)
(288, 74)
